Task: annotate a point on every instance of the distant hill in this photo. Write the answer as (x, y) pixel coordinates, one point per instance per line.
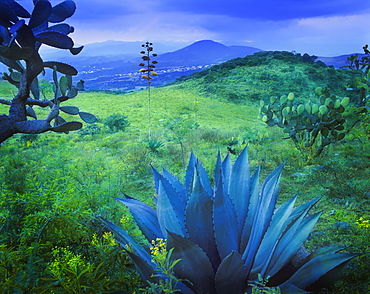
(337, 61)
(206, 52)
(268, 73)
(117, 68)
(113, 65)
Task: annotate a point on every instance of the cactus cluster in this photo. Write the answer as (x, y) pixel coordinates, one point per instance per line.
(21, 35)
(308, 124)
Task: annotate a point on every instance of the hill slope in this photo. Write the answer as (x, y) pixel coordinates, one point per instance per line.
(268, 73)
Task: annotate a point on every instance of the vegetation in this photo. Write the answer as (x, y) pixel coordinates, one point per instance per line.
(310, 126)
(55, 188)
(270, 73)
(21, 41)
(222, 237)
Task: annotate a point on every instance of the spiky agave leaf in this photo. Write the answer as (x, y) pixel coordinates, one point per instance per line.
(199, 220)
(195, 268)
(145, 217)
(203, 226)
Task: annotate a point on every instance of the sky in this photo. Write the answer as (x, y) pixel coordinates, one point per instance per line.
(317, 27)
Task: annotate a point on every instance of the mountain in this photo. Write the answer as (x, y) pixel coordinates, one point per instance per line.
(206, 52)
(113, 65)
(118, 68)
(337, 61)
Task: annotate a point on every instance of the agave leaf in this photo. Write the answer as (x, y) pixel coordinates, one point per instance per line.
(268, 198)
(194, 269)
(73, 110)
(270, 240)
(239, 187)
(145, 269)
(55, 39)
(318, 267)
(62, 11)
(189, 176)
(168, 212)
(145, 217)
(263, 215)
(40, 13)
(199, 223)
(225, 222)
(204, 177)
(176, 199)
(61, 67)
(194, 163)
(252, 210)
(156, 178)
(288, 288)
(68, 126)
(290, 242)
(231, 276)
(125, 239)
(303, 207)
(218, 169)
(226, 170)
(87, 117)
(176, 184)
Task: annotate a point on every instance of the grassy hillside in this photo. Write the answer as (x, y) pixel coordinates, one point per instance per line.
(269, 73)
(54, 187)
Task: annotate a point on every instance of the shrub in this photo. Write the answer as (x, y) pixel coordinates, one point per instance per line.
(116, 122)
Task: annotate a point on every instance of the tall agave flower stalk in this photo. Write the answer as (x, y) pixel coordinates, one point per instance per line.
(229, 233)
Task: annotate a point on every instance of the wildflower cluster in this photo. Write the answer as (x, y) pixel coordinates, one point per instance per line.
(147, 64)
(164, 267)
(362, 223)
(158, 250)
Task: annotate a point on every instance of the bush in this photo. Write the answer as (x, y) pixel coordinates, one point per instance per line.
(91, 129)
(116, 122)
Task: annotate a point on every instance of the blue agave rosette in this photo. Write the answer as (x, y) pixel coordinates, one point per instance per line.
(229, 234)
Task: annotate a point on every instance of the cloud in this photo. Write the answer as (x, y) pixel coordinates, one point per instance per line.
(275, 10)
(320, 27)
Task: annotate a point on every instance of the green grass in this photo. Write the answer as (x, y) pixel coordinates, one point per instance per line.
(71, 179)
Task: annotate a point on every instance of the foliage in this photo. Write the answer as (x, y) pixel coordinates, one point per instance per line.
(81, 174)
(311, 126)
(263, 74)
(164, 267)
(116, 122)
(21, 41)
(259, 287)
(230, 234)
(360, 83)
(90, 130)
(155, 145)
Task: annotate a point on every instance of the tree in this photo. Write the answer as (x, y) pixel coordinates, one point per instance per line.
(19, 50)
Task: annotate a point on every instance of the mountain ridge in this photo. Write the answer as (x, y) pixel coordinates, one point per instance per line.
(117, 68)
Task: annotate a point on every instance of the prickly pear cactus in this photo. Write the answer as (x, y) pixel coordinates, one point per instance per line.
(22, 33)
(309, 125)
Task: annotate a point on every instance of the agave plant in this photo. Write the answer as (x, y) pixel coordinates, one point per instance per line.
(231, 234)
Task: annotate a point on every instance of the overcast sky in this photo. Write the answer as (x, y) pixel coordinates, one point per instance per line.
(318, 27)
